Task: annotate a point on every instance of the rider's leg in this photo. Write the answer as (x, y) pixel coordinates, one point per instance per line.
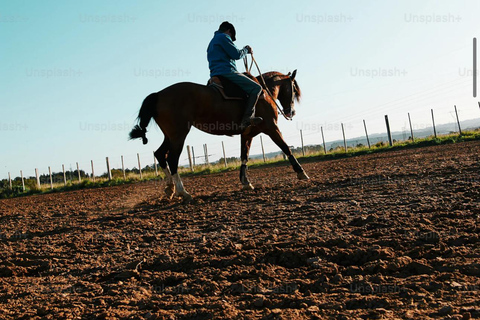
(253, 90)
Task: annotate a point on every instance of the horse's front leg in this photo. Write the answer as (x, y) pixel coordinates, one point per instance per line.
(161, 155)
(276, 136)
(246, 142)
(170, 188)
(172, 159)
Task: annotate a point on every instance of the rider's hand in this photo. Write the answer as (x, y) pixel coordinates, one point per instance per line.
(249, 49)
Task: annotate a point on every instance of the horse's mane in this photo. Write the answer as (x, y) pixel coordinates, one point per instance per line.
(270, 77)
(256, 79)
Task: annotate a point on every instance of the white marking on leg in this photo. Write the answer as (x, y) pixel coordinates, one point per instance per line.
(246, 185)
(170, 189)
(168, 175)
(180, 190)
(178, 183)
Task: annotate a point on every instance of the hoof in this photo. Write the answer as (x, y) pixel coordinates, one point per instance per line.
(302, 176)
(170, 191)
(187, 198)
(248, 187)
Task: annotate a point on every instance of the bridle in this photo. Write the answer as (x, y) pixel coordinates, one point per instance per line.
(264, 85)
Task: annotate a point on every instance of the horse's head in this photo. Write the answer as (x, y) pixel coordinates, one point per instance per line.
(284, 88)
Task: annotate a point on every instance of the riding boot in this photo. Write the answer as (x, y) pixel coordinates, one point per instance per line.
(248, 117)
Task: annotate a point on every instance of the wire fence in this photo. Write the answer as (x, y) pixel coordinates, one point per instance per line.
(309, 137)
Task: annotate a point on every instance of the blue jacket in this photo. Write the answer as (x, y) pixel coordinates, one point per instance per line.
(222, 53)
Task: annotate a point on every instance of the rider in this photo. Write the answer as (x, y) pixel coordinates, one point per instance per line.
(221, 55)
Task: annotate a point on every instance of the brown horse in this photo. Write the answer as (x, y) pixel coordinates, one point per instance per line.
(179, 107)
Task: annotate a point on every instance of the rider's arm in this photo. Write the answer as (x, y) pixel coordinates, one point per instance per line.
(232, 50)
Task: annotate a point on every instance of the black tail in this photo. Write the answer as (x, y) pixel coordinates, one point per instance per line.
(147, 111)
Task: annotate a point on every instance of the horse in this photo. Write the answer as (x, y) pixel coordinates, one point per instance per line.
(182, 105)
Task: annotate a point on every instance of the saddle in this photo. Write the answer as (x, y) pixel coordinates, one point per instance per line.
(228, 89)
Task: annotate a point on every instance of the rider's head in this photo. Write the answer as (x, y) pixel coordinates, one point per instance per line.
(227, 27)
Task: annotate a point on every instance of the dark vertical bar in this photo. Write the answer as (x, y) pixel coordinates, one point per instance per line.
(303, 148)
(51, 178)
(109, 172)
(474, 67)
(344, 141)
(323, 139)
(389, 133)
(434, 129)
(411, 129)
(93, 171)
(366, 133)
(458, 121)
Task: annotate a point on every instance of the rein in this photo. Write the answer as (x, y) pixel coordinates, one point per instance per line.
(245, 61)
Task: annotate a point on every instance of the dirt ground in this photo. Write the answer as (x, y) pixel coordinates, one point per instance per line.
(385, 236)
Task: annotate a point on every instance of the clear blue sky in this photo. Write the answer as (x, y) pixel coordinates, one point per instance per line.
(73, 74)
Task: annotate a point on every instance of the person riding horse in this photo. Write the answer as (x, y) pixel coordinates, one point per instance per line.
(221, 56)
(180, 106)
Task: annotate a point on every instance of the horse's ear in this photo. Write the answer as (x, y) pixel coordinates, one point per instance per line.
(294, 74)
(288, 74)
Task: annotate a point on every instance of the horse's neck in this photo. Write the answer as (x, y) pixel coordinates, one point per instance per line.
(274, 89)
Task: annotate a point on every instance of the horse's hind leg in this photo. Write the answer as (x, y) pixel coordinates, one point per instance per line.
(172, 159)
(276, 136)
(161, 154)
(246, 142)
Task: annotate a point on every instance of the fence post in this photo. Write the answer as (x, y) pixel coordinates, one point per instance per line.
(205, 150)
(224, 157)
(78, 170)
(434, 129)
(38, 178)
(139, 165)
(109, 172)
(93, 171)
(411, 129)
(123, 170)
(23, 181)
(323, 139)
(190, 158)
(344, 140)
(458, 121)
(64, 176)
(301, 138)
(193, 157)
(366, 133)
(263, 150)
(389, 133)
(155, 164)
(51, 180)
(9, 181)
